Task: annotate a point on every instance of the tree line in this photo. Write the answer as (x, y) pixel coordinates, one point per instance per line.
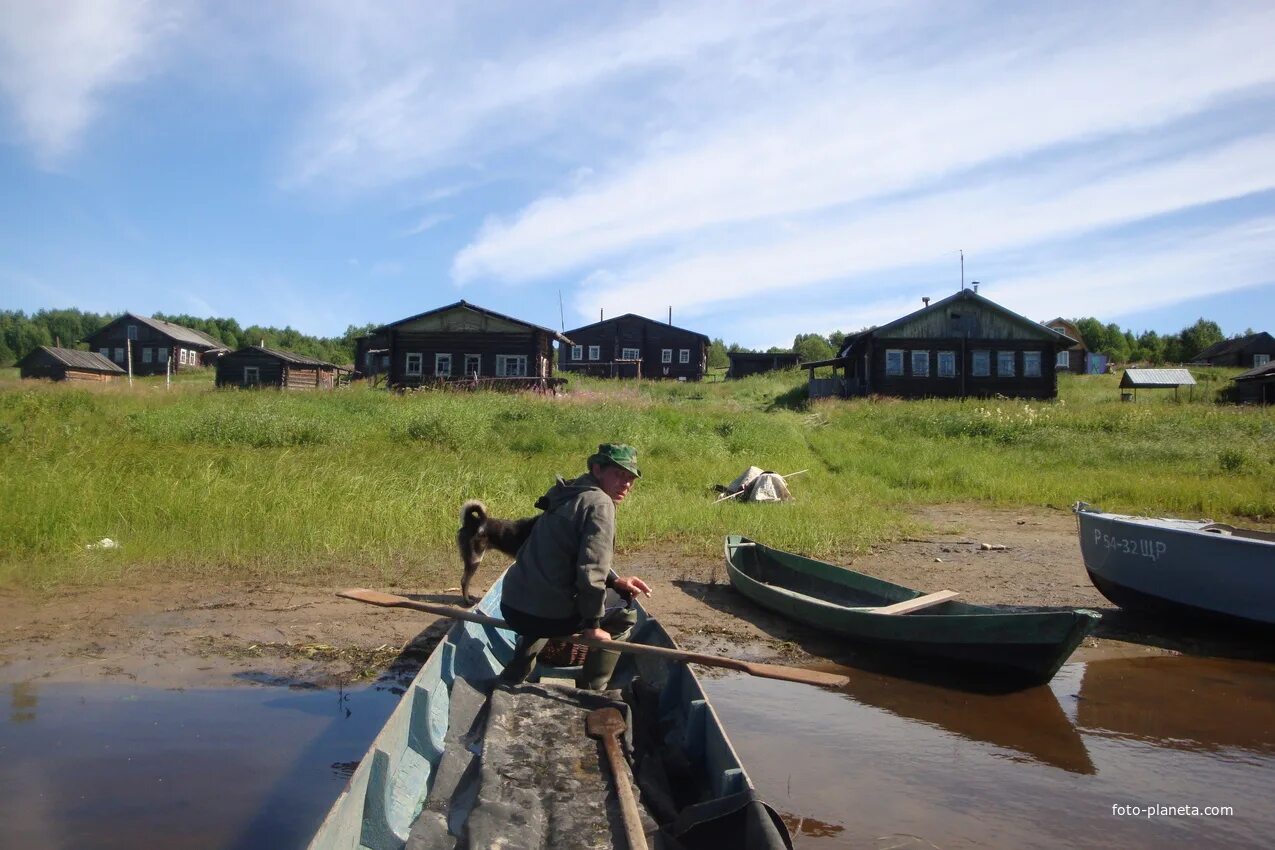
(20, 334)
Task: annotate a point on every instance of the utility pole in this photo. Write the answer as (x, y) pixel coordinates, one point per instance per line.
(128, 359)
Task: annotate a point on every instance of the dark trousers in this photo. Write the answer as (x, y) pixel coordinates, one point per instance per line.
(534, 632)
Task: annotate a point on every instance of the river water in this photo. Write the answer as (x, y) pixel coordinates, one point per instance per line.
(884, 763)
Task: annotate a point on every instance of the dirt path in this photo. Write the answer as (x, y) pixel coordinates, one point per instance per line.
(194, 635)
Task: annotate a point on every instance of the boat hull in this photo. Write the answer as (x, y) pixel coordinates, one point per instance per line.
(1027, 646)
(390, 787)
(1179, 567)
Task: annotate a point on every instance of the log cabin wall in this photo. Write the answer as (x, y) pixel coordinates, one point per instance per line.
(650, 339)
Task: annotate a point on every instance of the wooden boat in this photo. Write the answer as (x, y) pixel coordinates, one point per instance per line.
(1193, 567)
(466, 762)
(1027, 646)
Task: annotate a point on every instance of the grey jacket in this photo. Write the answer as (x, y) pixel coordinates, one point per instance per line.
(562, 569)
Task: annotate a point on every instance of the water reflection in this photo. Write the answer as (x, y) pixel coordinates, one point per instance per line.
(1181, 703)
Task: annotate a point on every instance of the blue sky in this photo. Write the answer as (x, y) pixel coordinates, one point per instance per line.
(763, 169)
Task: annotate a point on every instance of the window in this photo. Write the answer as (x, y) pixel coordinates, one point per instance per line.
(595, 353)
(443, 365)
(684, 355)
(981, 365)
(894, 361)
(947, 364)
(1063, 361)
(119, 355)
(1031, 364)
(181, 356)
(474, 365)
(251, 376)
(163, 355)
(148, 354)
(511, 365)
(1261, 359)
(132, 332)
(577, 351)
(630, 354)
(666, 355)
(1004, 364)
(414, 363)
(920, 364)
(105, 352)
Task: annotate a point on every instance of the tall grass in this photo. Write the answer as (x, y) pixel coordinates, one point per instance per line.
(200, 482)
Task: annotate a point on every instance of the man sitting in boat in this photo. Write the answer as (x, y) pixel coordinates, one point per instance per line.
(558, 583)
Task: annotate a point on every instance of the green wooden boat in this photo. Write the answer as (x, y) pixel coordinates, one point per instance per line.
(1027, 646)
(464, 761)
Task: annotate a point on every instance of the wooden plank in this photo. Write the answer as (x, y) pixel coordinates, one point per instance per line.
(926, 601)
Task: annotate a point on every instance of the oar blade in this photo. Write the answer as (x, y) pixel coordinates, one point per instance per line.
(797, 674)
(372, 597)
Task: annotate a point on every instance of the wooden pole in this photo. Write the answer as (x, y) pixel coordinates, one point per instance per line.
(128, 358)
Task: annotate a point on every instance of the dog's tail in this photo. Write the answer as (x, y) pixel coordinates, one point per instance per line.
(472, 514)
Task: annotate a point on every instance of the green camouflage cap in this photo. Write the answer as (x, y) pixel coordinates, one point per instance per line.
(617, 454)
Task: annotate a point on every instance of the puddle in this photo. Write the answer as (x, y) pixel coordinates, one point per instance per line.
(884, 763)
(90, 766)
(889, 763)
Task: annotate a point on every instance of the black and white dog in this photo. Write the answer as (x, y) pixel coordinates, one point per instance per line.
(480, 532)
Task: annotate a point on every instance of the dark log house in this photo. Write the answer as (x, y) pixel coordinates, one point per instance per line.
(255, 366)
(157, 345)
(632, 346)
(67, 364)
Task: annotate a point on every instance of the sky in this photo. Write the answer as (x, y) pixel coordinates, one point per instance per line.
(761, 169)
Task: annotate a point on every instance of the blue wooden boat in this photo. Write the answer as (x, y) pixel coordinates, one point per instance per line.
(456, 764)
(1025, 646)
(1186, 567)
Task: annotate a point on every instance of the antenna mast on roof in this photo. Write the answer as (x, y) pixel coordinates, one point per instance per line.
(962, 269)
(561, 318)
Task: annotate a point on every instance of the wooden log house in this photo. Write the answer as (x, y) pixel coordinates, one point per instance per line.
(1246, 352)
(1074, 358)
(632, 346)
(257, 366)
(157, 346)
(67, 364)
(745, 363)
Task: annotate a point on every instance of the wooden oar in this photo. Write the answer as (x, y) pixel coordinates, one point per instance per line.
(752, 668)
(607, 723)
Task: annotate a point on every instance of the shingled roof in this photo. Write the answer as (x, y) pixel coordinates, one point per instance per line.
(289, 357)
(1230, 346)
(76, 359)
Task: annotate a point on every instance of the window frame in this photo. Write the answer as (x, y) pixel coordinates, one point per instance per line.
(630, 354)
(577, 352)
(1266, 359)
(1063, 360)
(950, 358)
(1001, 371)
(478, 365)
(985, 355)
(1033, 357)
(105, 352)
(119, 355)
(162, 355)
(502, 365)
(666, 355)
(894, 354)
(922, 352)
(256, 376)
(148, 354)
(595, 352)
(442, 358)
(420, 364)
(132, 332)
(683, 355)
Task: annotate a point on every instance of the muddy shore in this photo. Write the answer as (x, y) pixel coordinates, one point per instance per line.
(187, 635)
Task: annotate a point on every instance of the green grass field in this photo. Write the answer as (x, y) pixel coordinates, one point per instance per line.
(195, 482)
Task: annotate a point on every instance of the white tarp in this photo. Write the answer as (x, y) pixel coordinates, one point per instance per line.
(758, 485)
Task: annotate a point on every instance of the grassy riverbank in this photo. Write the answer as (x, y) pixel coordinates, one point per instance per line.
(198, 482)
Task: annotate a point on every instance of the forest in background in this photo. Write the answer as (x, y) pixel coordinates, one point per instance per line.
(20, 334)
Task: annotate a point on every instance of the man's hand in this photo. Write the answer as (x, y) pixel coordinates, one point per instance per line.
(630, 587)
(596, 634)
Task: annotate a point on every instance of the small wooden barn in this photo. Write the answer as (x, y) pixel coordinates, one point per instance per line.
(961, 346)
(1075, 357)
(1256, 386)
(256, 366)
(67, 364)
(745, 363)
(464, 342)
(157, 346)
(633, 346)
(1246, 352)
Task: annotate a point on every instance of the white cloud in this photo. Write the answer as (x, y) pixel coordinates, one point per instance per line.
(60, 59)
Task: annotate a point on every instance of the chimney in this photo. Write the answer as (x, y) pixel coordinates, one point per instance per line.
(974, 284)
(925, 299)
(670, 314)
(599, 314)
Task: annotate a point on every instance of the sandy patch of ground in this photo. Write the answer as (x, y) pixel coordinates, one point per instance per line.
(195, 635)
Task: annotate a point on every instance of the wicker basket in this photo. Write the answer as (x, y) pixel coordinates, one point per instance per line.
(559, 653)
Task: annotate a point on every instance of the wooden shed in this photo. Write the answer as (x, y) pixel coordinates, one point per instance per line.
(1074, 358)
(961, 346)
(1246, 352)
(633, 346)
(67, 364)
(1256, 386)
(465, 342)
(1153, 379)
(157, 346)
(256, 366)
(745, 363)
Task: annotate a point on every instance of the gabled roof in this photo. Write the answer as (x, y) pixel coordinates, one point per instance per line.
(476, 309)
(1141, 378)
(1263, 371)
(1231, 346)
(943, 304)
(181, 333)
(77, 359)
(704, 337)
(287, 356)
(1078, 339)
